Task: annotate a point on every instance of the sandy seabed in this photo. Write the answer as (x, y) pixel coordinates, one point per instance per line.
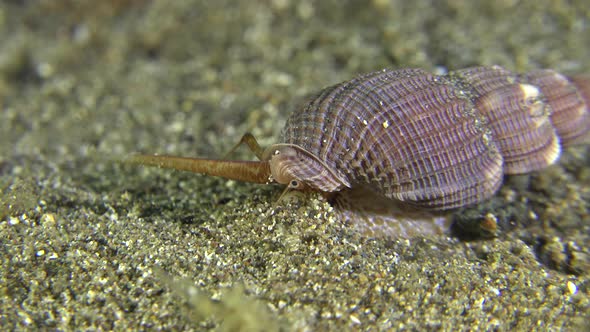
(88, 243)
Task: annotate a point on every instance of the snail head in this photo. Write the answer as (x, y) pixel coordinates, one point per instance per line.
(286, 164)
(293, 166)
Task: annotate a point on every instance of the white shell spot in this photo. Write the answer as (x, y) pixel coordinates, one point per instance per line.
(385, 124)
(530, 91)
(486, 138)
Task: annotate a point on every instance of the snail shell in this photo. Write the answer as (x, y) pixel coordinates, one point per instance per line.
(437, 142)
(396, 138)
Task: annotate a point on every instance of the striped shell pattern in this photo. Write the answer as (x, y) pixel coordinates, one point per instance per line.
(394, 148)
(435, 141)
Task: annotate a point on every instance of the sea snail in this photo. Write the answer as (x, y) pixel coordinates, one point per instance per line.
(415, 141)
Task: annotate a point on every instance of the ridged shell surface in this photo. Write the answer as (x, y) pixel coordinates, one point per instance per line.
(570, 116)
(441, 141)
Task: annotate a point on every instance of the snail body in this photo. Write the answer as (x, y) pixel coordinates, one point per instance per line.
(435, 142)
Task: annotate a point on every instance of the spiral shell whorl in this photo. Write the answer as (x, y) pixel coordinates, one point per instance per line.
(570, 116)
(517, 115)
(441, 141)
